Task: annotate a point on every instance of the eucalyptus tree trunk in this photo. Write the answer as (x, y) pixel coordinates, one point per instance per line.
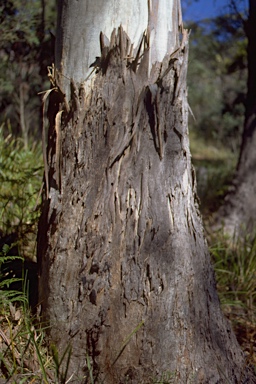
(125, 274)
(238, 214)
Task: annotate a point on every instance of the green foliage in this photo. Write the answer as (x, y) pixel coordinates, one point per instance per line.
(21, 173)
(61, 375)
(8, 295)
(235, 268)
(217, 79)
(19, 21)
(26, 48)
(90, 370)
(24, 354)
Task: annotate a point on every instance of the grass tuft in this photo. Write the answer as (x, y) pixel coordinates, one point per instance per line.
(235, 268)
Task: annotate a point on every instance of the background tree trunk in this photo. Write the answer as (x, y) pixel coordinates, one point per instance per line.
(238, 214)
(125, 276)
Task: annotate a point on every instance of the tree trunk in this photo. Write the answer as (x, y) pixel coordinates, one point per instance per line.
(125, 274)
(238, 213)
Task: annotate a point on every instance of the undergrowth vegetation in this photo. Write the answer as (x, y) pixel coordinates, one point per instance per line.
(234, 259)
(25, 356)
(21, 170)
(235, 268)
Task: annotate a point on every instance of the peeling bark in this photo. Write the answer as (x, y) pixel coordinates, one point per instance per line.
(125, 274)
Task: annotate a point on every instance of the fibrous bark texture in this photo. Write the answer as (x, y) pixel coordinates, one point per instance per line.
(125, 276)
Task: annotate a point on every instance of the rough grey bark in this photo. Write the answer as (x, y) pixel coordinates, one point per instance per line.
(125, 274)
(238, 213)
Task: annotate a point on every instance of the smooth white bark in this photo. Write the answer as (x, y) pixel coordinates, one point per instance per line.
(80, 24)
